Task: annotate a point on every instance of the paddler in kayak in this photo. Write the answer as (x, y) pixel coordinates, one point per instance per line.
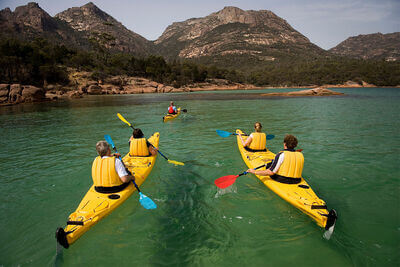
(172, 109)
(139, 146)
(287, 166)
(257, 140)
(108, 172)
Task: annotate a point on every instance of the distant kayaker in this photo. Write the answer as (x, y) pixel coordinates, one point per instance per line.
(108, 172)
(172, 109)
(139, 146)
(256, 141)
(287, 166)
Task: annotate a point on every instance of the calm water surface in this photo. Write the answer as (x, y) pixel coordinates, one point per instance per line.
(351, 146)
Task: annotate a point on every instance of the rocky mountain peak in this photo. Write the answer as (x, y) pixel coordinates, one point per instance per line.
(31, 15)
(232, 14)
(233, 32)
(371, 46)
(102, 28)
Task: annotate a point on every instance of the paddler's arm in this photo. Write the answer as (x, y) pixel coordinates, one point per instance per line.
(274, 165)
(152, 149)
(127, 178)
(266, 172)
(248, 141)
(124, 174)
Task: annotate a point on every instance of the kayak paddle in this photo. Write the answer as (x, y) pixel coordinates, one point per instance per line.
(123, 119)
(228, 180)
(226, 134)
(171, 161)
(146, 202)
(130, 125)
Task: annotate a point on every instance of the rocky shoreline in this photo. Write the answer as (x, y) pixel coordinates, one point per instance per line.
(81, 85)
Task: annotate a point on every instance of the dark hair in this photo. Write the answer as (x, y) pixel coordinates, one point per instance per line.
(137, 133)
(290, 141)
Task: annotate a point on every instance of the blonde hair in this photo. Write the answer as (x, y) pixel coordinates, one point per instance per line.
(102, 148)
(257, 127)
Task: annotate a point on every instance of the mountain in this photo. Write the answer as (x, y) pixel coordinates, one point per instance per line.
(371, 46)
(104, 30)
(30, 21)
(232, 36)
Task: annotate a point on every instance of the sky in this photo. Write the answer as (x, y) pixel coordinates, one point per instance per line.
(325, 23)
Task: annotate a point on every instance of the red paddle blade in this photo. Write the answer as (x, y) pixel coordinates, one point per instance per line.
(225, 181)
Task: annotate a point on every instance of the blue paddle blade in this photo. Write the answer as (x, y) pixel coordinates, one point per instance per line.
(146, 202)
(270, 136)
(223, 133)
(109, 140)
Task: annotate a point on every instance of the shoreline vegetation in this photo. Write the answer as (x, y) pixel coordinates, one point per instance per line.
(38, 70)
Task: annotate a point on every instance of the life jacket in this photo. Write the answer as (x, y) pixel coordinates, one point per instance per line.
(171, 110)
(259, 142)
(138, 147)
(104, 173)
(292, 165)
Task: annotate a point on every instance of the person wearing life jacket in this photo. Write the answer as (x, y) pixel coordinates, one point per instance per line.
(139, 146)
(287, 166)
(108, 172)
(256, 141)
(172, 109)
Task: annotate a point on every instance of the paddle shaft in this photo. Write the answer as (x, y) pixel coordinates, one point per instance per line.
(256, 168)
(160, 153)
(133, 181)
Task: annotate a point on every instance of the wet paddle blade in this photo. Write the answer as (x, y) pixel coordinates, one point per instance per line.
(146, 202)
(176, 162)
(225, 181)
(184, 110)
(109, 140)
(123, 119)
(270, 136)
(223, 133)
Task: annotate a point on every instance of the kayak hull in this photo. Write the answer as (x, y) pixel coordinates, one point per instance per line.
(95, 206)
(169, 117)
(300, 195)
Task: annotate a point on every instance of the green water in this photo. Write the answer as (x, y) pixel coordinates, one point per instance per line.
(351, 147)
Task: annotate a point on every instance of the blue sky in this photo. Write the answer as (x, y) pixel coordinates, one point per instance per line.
(325, 22)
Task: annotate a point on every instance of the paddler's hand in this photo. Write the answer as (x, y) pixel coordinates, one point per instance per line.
(117, 155)
(251, 171)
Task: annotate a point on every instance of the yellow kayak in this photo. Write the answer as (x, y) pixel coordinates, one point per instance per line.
(95, 206)
(299, 195)
(169, 117)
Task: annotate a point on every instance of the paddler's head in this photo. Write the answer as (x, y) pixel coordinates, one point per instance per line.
(103, 148)
(171, 103)
(258, 127)
(290, 141)
(137, 133)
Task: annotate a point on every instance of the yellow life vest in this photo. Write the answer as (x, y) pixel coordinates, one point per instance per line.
(104, 173)
(292, 165)
(259, 141)
(139, 147)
